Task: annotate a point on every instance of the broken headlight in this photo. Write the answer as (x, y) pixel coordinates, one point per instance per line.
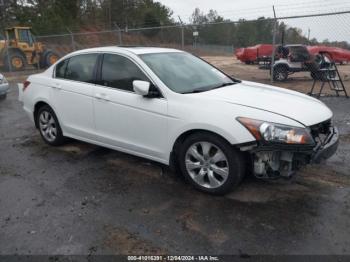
(276, 133)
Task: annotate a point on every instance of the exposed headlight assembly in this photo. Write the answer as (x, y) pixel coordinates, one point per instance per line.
(276, 133)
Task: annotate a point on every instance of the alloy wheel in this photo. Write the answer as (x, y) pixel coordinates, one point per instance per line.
(280, 76)
(207, 165)
(48, 126)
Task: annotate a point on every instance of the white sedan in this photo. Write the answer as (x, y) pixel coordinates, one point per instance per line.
(174, 108)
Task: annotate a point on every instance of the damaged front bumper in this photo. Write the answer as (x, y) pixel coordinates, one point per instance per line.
(283, 160)
(327, 149)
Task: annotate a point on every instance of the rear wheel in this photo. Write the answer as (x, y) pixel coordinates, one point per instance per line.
(14, 61)
(210, 163)
(49, 126)
(280, 73)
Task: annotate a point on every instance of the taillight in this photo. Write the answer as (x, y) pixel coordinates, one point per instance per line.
(25, 85)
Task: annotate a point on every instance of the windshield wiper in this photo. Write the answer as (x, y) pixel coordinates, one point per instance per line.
(223, 85)
(200, 90)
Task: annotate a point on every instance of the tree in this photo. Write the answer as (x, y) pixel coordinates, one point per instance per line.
(55, 16)
(198, 17)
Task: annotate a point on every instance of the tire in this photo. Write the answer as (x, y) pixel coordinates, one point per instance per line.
(49, 127)
(280, 73)
(201, 170)
(48, 58)
(15, 61)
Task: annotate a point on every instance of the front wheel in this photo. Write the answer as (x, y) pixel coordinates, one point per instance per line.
(14, 61)
(210, 163)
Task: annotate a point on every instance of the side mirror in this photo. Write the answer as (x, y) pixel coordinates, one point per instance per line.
(141, 87)
(145, 89)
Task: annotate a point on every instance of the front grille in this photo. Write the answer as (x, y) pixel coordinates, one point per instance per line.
(320, 132)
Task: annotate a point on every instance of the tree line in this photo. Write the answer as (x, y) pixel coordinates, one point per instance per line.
(58, 16)
(62, 16)
(214, 29)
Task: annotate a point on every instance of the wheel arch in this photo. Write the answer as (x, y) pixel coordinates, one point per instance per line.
(182, 137)
(37, 105)
(281, 65)
(12, 50)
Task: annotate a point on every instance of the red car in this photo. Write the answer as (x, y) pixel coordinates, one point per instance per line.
(338, 55)
(250, 55)
(260, 52)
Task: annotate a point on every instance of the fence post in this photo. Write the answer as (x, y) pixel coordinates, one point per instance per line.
(72, 39)
(273, 44)
(120, 35)
(182, 34)
(8, 59)
(182, 37)
(119, 31)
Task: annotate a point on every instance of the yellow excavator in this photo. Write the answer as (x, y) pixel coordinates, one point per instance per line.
(19, 49)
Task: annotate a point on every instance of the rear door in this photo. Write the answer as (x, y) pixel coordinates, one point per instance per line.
(72, 95)
(123, 118)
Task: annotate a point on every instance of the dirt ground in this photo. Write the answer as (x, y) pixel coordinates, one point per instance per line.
(83, 199)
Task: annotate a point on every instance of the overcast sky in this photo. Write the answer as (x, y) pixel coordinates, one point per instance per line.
(331, 27)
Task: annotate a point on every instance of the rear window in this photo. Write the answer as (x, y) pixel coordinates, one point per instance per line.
(61, 69)
(298, 50)
(78, 68)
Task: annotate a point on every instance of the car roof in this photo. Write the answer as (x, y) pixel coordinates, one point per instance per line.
(138, 50)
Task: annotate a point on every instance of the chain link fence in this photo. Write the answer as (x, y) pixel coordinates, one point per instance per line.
(257, 39)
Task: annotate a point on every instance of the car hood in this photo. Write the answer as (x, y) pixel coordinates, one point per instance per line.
(294, 105)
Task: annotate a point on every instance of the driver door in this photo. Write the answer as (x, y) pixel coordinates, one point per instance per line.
(124, 119)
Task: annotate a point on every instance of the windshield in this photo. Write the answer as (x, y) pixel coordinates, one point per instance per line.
(185, 73)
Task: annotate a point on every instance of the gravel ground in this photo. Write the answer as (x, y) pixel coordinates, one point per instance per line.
(84, 199)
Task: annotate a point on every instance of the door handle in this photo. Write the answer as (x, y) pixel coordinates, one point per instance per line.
(56, 86)
(103, 97)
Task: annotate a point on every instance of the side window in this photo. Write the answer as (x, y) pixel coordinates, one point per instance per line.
(23, 35)
(61, 69)
(11, 34)
(119, 72)
(81, 68)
